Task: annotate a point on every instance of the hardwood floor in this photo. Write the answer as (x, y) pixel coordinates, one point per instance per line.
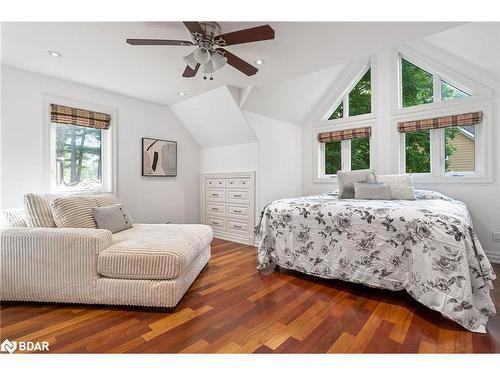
(232, 308)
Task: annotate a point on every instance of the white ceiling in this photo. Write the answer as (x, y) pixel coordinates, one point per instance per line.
(96, 53)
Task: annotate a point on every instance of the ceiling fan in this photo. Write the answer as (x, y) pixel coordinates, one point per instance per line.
(211, 52)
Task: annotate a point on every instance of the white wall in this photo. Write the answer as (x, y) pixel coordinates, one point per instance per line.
(280, 164)
(276, 157)
(235, 158)
(155, 200)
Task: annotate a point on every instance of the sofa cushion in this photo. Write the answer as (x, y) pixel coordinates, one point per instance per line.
(113, 218)
(36, 207)
(153, 251)
(13, 218)
(73, 212)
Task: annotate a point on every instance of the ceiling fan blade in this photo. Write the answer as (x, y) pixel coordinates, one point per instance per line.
(158, 42)
(194, 27)
(189, 73)
(253, 34)
(238, 63)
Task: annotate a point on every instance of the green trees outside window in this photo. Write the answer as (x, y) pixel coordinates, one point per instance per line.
(417, 86)
(418, 152)
(360, 153)
(78, 155)
(450, 92)
(360, 97)
(333, 158)
(338, 113)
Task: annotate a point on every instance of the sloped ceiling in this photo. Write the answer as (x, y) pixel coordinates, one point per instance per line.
(95, 53)
(293, 100)
(214, 118)
(477, 43)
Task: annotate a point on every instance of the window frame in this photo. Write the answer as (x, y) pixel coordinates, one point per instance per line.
(344, 98)
(108, 148)
(483, 150)
(345, 151)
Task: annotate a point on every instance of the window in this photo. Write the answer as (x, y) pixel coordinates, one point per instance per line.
(333, 157)
(344, 150)
(79, 149)
(78, 156)
(418, 152)
(450, 92)
(360, 98)
(419, 86)
(460, 149)
(358, 101)
(360, 153)
(457, 153)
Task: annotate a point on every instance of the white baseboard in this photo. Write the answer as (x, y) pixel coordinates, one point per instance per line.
(493, 257)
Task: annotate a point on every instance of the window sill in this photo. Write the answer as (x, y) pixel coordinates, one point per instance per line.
(450, 179)
(326, 180)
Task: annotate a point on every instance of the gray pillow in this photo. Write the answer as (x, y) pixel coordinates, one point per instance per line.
(113, 218)
(346, 181)
(378, 190)
(401, 185)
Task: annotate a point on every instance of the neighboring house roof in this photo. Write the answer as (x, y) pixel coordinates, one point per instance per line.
(468, 131)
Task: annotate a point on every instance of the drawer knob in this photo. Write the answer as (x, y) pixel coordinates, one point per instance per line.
(237, 195)
(237, 226)
(237, 211)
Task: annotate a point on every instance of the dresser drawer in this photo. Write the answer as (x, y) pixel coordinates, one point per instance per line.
(216, 209)
(237, 211)
(216, 195)
(237, 227)
(237, 196)
(217, 223)
(215, 182)
(238, 182)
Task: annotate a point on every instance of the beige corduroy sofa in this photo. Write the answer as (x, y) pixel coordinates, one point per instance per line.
(147, 265)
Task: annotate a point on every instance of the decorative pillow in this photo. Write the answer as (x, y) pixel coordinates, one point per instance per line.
(346, 181)
(37, 210)
(113, 218)
(73, 212)
(401, 185)
(103, 199)
(378, 190)
(13, 217)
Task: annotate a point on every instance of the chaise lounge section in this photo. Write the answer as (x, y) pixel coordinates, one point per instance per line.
(146, 265)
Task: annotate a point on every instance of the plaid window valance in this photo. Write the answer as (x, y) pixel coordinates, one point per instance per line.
(342, 135)
(464, 119)
(74, 116)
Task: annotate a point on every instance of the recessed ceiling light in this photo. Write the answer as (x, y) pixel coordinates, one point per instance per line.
(181, 93)
(54, 53)
(260, 62)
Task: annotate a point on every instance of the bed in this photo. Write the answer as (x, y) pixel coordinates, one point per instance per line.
(427, 247)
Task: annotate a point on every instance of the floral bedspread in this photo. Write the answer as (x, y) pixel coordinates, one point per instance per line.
(427, 247)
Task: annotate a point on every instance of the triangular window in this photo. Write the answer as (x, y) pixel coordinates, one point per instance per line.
(418, 86)
(358, 100)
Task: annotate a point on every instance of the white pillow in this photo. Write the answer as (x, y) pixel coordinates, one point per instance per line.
(378, 190)
(401, 185)
(346, 181)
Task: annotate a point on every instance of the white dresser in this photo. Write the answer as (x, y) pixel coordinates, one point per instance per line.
(228, 205)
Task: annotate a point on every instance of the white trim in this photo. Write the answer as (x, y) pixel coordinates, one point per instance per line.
(493, 257)
(439, 71)
(318, 150)
(110, 162)
(483, 147)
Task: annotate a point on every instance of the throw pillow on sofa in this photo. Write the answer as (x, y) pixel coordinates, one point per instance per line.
(37, 210)
(113, 218)
(73, 212)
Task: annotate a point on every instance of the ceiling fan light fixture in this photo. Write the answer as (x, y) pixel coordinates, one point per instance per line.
(201, 55)
(218, 61)
(190, 61)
